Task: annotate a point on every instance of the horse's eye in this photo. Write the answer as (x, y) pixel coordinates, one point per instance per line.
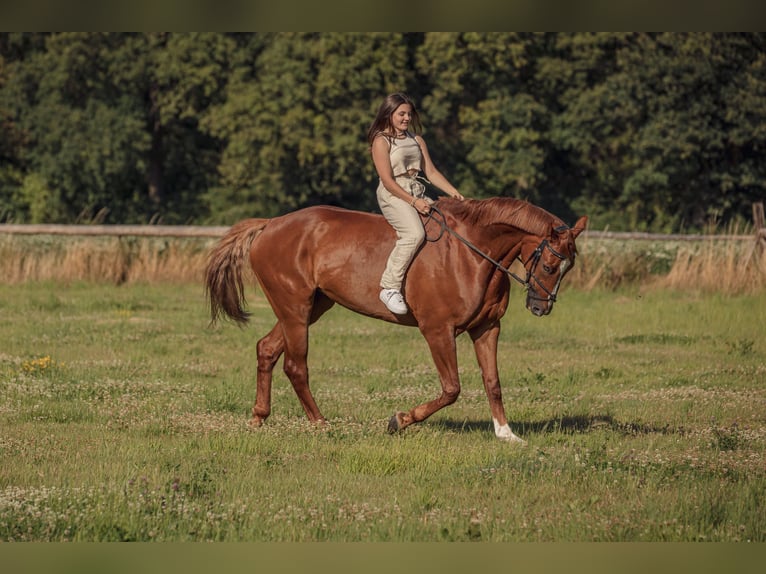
(547, 269)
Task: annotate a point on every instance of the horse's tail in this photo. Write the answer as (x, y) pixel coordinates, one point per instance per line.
(224, 286)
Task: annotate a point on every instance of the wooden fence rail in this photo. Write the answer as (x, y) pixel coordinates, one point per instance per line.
(115, 230)
(202, 231)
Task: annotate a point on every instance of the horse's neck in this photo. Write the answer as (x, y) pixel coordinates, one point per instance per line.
(513, 222)
(507, 243)
(499, 240)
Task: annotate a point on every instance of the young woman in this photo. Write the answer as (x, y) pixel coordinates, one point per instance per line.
(399, 154)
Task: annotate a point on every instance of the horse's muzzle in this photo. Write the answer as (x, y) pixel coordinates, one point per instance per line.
(538, 306)
(538, 311)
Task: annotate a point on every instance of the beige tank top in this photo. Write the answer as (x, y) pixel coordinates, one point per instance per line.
(406, 160)
(405, 155)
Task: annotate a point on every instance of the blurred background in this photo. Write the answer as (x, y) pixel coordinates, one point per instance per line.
(661, 132)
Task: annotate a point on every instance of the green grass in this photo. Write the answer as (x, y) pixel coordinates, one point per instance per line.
(124, 417)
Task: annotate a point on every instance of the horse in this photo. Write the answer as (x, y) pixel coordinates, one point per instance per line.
(308, 260)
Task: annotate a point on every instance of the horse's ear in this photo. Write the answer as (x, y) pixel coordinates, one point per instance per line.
(580, 226)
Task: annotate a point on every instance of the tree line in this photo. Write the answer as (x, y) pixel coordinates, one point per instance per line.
(640, 131)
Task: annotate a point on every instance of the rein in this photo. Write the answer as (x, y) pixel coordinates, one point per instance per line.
(534, 257)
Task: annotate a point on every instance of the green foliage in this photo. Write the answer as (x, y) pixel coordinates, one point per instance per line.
(295, 118)
(653, 121)
(36, 199)
(640, 131)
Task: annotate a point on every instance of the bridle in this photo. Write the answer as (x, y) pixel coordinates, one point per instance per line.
(534, 258)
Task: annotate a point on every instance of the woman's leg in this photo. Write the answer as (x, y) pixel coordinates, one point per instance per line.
(410, 235)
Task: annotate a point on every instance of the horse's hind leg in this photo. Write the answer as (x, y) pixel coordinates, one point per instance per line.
(296, 366)
(269, 349)
(296, 332)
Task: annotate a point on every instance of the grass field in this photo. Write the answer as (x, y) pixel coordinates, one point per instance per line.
(124, 417)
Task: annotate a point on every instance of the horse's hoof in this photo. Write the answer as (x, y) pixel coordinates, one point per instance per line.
(255, 422)
(395, 423)
(513, 439)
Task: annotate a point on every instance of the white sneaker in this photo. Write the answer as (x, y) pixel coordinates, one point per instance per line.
(394, 301)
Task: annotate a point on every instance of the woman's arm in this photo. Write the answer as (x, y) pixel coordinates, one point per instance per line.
(434, 175)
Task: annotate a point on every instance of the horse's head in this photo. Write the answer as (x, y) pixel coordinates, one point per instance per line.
(546, 264)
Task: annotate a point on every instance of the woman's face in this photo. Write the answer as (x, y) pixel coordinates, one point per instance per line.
(401, 118)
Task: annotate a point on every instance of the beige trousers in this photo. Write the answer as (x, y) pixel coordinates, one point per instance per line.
(409, 230)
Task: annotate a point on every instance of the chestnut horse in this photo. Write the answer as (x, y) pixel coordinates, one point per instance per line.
(308, 260)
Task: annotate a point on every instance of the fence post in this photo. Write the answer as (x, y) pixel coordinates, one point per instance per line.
(760, 231)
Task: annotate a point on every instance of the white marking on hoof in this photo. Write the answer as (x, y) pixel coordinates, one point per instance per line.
(505, 433)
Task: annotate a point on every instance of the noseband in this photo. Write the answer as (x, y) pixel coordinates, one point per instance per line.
(534, 258)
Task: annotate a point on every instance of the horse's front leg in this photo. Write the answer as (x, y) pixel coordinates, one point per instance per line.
(485, 344)
(443, 351)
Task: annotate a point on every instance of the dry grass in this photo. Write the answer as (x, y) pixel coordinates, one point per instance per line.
(731, 267)
(104, 259)
(727, 265)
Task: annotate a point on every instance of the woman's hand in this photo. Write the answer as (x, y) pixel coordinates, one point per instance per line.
(422, 206)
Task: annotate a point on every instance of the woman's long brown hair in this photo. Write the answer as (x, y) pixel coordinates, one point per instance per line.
(382, 122)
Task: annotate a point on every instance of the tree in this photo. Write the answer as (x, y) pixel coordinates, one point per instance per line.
(486, 121)
(294, 121)
(12, 136)
(660, 131)
(643, 118)
(111, 123)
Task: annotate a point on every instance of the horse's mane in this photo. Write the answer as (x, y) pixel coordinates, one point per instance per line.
(505, 210)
